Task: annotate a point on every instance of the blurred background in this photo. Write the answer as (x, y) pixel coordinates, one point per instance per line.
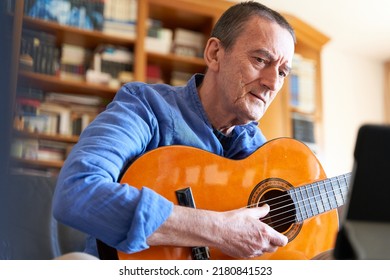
(353, 69)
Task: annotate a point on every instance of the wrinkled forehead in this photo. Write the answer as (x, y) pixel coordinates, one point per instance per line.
(260, 33)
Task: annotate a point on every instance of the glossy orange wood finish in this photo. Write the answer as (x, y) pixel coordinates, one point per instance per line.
(222, 184)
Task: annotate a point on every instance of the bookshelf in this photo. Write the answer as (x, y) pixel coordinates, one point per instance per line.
(196, 16)
(52, 83)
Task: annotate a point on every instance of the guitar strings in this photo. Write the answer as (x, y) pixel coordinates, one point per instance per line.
(311, 187)
(309, 213)
(299, 188)
(306, 199)
(318, 184)
(328, 207)
(275, 223)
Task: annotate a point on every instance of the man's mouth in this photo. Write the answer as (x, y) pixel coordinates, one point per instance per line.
(258, 96)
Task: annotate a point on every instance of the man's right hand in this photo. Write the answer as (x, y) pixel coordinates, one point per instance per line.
(237, 233)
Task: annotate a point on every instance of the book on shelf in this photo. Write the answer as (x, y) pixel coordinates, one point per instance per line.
(304, 130)
(188, 43)
(153, 74)
(31, 123)
(74, 62)
(48, 154)
(120, 18)
(119, 28)
(27, 102)
(27, 106)
(120, 10)
(114, 59)
(38, 52)
(153, 27)
(57, 113)
(84, 14)
(158, 39)
(82, 116)
(38, 149)
(58, 118)
(112, 65)
(24, 148)
(30, 93)
(82, 108)
(68, 98)
(52, 150)
(303, 84)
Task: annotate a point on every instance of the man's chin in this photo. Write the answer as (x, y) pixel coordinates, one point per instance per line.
(258, 113)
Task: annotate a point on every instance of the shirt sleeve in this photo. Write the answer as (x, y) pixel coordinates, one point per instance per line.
(88, 196)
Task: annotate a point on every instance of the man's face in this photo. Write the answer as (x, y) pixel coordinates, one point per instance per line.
(253, 70)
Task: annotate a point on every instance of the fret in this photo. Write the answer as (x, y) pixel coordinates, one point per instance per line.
(299, 203)
(308, 201)
(313, 199)
(302, 201)
(339, 197)
(313, 205)
(345, 186)
(295, 197)
(325, 197)
(330, 190)
(318, 199)
(296, 205)
(342, 188)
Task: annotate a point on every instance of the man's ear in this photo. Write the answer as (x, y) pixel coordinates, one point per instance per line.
(212, 53)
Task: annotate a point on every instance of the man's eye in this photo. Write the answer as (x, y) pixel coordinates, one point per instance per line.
(260, 60)
(282, 74)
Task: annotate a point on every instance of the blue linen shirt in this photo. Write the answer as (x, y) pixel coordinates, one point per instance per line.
(140, 118)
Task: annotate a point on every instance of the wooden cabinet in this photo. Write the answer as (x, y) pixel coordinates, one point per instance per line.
(195, 15)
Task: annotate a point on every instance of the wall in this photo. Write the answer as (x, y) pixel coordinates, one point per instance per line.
(352, 95)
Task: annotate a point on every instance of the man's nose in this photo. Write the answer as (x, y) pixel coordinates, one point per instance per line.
(270, 78)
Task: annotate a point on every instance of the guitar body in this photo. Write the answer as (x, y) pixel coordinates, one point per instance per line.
(222, 184)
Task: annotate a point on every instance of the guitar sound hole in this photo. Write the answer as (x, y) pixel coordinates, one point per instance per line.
(282, 211)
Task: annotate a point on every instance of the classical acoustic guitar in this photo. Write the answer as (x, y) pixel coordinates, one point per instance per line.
(284, 173)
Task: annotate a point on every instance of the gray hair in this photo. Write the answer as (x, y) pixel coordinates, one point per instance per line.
(232, 21)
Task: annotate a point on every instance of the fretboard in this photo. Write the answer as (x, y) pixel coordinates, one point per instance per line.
(319, 197)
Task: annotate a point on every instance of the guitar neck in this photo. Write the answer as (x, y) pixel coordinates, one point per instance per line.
(319, 197)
